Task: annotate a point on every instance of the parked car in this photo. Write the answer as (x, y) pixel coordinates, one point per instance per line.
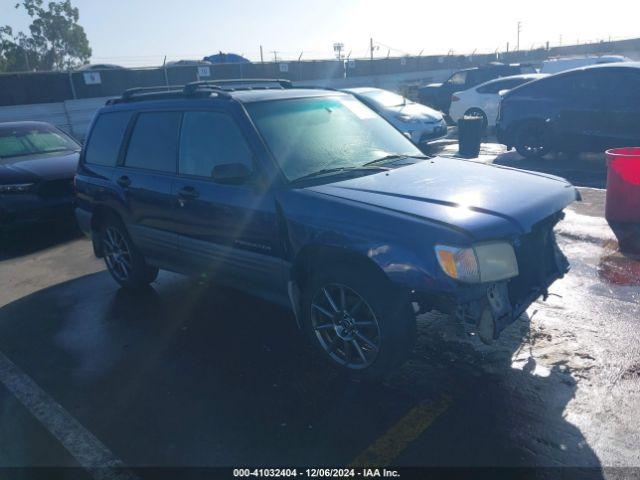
(483, 101)
(37, 165)
(438, 95)
(100, 66)
(307, 197)
(188, 63)
(420, 123)
(588, 109)
(557, 65)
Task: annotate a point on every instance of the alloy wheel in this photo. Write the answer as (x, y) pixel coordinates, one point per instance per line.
(346, 326)
(117, 254)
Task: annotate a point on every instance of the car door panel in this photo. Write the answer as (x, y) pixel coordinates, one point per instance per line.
(149, 202)
(228, 231)
(579, 114)
(145, 177)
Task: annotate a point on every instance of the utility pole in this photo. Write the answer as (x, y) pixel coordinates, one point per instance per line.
(261, 57)
(371, 47)
(519, 30)
(275, 55)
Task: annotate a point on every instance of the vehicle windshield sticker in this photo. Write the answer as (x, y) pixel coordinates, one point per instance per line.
(361, 111)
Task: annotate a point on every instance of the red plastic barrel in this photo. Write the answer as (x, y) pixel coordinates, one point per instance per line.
(623, 196)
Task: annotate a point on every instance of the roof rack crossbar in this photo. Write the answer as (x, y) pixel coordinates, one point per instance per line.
(244, 84)
(205, 85)
(284, 83)
(127, 94)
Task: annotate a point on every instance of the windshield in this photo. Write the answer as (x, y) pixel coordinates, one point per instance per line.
(308, 135)
(19, 141)
(385, 98)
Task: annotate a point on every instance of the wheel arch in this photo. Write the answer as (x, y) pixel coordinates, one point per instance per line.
(313, 257)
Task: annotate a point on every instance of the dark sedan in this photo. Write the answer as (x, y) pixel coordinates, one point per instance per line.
(37, 165)
(588, 109)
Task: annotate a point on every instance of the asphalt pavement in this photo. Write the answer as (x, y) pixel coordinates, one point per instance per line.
(186, 373)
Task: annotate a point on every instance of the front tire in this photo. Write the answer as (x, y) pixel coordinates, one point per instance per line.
(357, 322)
(124, 261)
(534, 140)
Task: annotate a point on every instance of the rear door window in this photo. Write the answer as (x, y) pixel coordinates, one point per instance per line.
(106, 138)
(154, 142)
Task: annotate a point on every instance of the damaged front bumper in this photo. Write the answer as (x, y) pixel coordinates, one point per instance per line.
(494, 306)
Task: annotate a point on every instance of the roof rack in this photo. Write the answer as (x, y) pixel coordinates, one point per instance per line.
(208, 86)
(203, 87)
(130, 92)
(244, 83)
(154, 93)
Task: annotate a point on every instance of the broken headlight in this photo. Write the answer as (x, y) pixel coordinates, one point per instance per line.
(484, 262)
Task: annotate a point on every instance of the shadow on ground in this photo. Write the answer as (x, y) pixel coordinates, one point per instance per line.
(186, 374)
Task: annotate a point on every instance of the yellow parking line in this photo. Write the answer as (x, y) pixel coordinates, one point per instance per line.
(393, 442)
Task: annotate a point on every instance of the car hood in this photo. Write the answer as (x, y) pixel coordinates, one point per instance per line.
(39, 167)
(416, 110)
(482, 201)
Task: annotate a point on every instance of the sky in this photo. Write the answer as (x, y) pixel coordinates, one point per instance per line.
(142, 32)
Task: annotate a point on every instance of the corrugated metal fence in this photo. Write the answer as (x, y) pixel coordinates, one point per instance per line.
(74, 116)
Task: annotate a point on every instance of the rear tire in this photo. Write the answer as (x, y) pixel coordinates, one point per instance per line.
(124, 261)
(534, 140)
(357, 322)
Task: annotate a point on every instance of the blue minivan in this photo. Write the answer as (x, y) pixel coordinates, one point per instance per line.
(310, 199)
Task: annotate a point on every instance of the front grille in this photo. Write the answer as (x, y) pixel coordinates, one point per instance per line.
(536, 253)
(56, 188)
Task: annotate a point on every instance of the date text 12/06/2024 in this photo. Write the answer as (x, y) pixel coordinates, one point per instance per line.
(316, 472)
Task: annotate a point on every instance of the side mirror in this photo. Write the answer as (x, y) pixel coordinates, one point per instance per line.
(231, 173)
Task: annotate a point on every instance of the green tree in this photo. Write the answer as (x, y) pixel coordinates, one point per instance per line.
(55, 40)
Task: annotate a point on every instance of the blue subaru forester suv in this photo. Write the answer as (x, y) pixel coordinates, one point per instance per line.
(308, 198)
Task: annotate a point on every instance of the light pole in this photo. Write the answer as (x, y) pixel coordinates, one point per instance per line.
(518, 42)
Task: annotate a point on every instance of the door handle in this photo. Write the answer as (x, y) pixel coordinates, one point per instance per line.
(188, 192)
(124, 181)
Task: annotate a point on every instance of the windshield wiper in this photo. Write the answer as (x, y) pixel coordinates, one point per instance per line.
(393, 156)
(328, 171)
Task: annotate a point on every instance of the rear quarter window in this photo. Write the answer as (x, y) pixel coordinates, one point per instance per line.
(106, 138)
